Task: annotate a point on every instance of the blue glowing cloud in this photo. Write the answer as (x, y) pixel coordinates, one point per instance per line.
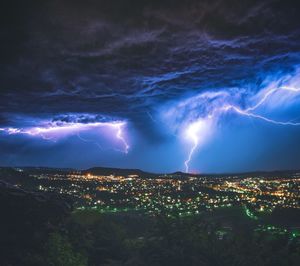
(196, 118)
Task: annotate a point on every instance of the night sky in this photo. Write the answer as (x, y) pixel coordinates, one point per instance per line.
(198, 86)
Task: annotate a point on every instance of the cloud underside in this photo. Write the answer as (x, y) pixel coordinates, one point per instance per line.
(124, 58)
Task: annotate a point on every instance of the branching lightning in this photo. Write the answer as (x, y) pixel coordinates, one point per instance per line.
(121, 137)
(53, 131)
(194, 130)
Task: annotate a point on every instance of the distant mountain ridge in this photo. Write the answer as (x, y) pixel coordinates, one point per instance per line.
(124, 171)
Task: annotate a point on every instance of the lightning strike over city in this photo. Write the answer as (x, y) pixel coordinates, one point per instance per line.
(162, 132)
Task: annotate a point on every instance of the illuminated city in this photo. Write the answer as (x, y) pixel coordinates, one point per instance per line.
(172, 195)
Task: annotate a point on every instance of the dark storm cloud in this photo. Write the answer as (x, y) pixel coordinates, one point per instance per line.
(125, 57)
(81, 118)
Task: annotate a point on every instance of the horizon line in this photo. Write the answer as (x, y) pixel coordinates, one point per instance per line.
(157, 173)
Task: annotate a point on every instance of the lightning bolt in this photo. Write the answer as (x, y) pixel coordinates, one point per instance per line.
(121, 137)
(36, 131)
(55, 131)
(196, 129)
(193, 129)
(195, 140)
(269, 93)
(249, 114)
